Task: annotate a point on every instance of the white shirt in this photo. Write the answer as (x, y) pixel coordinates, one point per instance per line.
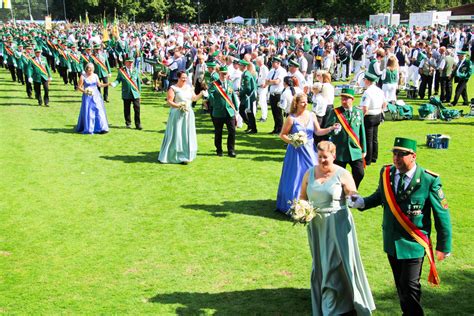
(303, 64)
(319, 104)
(373, 99)
(300, 77)
(287, 98)
(409, 175)
(328, 92)
(262, 75)
(236, 78)
(274, 74)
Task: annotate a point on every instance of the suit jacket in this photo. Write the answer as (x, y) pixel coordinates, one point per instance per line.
(128, 91)
(422, 198)
(220, 107)
(101, 72)
(248, 87)
(465, 71)
(347, 150)
(36, 73)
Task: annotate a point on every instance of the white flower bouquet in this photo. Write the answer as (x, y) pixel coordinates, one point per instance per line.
(183, 107)
(298, 139)
(88, 91)
(302, 211)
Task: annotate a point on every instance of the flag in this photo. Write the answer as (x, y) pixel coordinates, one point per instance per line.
(105, 35)
(80, 19)
(7, 4)
(87, 19)
(115, 30)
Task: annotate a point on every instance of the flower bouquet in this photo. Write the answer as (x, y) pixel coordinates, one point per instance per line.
(302, 211)
(88, 91)
(298, 139)
(183, 107)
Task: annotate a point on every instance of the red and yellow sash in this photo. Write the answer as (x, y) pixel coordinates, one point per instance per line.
(347, 127)
(224, 95)
(409, 227)
(40, 67)
(63, 53)
(52, 45)
(74, 57)
(100, 63)
(85, 58)
(9, 52)
(129, 79)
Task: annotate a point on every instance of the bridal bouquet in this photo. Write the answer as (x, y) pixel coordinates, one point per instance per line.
(183, 107)
(298, 139)
(302, 211)
(88, 91)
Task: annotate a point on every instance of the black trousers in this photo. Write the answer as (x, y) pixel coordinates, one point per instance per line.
(357, 167)
(276, 112)
(446, 84)
(12, 71)
(105, 95)
(73, 78)
(218, 127)
(51, 62)
(371, 123)
(461, 90)
(426, 82)
(37, 87)
(322, 120)
(436, 79)
(19, 75)
(136, 109)
(406, 273)
(29, 87)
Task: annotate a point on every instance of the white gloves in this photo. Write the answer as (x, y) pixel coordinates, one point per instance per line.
(30, 80)
(50, 79)
(247, 111)
(205, 93)
(355, 201)
(113, 84)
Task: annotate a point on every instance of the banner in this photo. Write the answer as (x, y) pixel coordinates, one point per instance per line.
(6, 4)
(47, 23)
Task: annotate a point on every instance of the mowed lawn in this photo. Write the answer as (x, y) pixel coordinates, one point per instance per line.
(93, 224)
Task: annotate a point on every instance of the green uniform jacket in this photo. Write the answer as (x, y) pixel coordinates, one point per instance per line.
(465, 71)
(63, 59)
(122, 48)
(36, 74)
(19, 60)
(220, 107)
(75, 66)
(347, 150)
(248, 87)
(101, 72)
(128, 92)
(26, 60)
(422, 195)
(7, 57)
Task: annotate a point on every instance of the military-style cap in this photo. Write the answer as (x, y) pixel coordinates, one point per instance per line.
(186, 45)
(277, 59)
(243, 62)
(37, 49)
(348, 92)
(461, 52)
(294, 63)
(211, 64)
(223, 69)
(97, 46)
(236, 61)
(371, 77)
(292, 48)
(215, 53)
(130, 60)
(404, 144)
(232, 46)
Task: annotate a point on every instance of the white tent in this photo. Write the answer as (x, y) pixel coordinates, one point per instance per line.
(237, 19)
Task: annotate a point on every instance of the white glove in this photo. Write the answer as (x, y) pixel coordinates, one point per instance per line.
(57, 63)
(205, 93)
(247, 111)
(109, 75)
(355, 201)
(5, 61)
(30, 80)
(50, 79)
(113, 84)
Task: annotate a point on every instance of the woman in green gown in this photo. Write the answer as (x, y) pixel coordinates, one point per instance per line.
(180, 141)
(338, 282)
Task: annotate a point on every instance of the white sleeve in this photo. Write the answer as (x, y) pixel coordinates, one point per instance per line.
(365, 100)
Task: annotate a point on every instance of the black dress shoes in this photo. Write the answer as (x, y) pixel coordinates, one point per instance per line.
(232, 154)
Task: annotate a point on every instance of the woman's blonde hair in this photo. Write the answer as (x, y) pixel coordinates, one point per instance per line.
(326, 77)
(327, 146)
(296, 99)
(89, 65)
(392, 63)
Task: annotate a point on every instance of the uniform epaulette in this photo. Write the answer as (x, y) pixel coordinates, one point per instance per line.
(431, 173)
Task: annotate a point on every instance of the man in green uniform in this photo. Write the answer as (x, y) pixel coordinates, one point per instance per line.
(445, 77)
(223, 100)
(210, 76)
(129, 77)
(26, 61)
(19, 63)
(39, 74)
(75, 65)
(462, 73)
(63, 62)
(247, 97)
(350, 141)
(9, 57)
(102, 68)
(409, 194)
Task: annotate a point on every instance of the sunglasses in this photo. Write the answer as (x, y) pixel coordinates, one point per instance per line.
(401, 153)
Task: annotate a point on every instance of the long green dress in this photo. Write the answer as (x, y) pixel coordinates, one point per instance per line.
(338, 281)
(180, 141)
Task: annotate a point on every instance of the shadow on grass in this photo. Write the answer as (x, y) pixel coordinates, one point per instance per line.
(151, 157)
(283, 301)
(262, 208)
(68, 130)
(453, 123)
(454, 300)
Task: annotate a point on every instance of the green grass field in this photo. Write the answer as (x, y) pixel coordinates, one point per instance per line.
(93, 224)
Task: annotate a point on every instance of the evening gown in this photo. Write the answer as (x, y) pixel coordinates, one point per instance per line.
(180, 141)
(297, 161)
(92, 117)
(338, 281)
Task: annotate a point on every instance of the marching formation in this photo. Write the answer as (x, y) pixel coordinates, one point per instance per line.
(239, 72)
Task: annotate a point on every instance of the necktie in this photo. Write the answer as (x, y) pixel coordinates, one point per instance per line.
(274, 74)
(401, 183)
